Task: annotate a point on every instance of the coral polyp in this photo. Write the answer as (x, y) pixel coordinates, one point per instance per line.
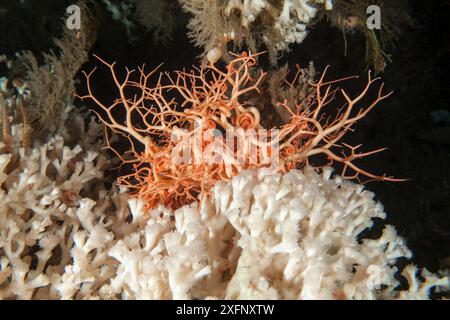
(191, 129)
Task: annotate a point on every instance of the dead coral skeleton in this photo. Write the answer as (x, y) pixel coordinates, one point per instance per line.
(153, 119)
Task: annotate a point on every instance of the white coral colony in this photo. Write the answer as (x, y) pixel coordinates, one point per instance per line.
(277, 24)
(292, 21)
(64, 236)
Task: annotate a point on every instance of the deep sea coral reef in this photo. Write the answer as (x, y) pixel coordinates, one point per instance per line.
(228, 184)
